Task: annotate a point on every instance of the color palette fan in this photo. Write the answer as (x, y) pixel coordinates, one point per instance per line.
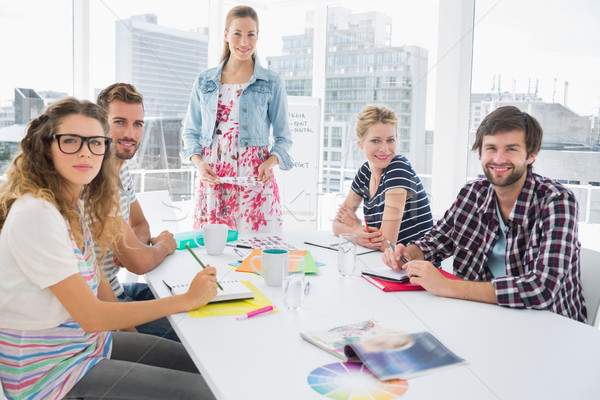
(353, 381)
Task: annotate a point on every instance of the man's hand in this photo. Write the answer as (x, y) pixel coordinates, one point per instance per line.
(394, 258)
(429, 277)
(166, 240)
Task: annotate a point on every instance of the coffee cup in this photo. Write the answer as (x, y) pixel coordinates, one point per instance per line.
(215, 237)
(273, 262)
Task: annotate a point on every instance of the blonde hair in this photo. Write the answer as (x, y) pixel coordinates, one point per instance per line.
(235, 13)
(372, 114)
(32, 171)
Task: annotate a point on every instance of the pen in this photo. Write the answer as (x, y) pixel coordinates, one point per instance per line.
(256, 312)
(200, 262)
(240, 254)
(367, 226)
(404, 260)
(239, 246)
(321, 246)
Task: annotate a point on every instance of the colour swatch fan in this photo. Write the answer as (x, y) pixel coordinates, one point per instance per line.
(353, 381)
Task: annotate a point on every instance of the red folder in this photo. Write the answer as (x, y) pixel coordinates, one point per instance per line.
(388, 286)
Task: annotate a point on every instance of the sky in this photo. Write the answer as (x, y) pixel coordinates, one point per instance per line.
(553, 41)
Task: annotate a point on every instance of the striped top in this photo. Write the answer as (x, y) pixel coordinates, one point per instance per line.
(416, 219)
(47, 363)
(127, 196)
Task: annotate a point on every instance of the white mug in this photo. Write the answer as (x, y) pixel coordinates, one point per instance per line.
(273, 263)
(215, 237)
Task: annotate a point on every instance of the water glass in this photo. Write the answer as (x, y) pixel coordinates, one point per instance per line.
(347, 254)
(293, 283)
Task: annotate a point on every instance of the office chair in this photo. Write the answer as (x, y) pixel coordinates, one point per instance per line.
(590, 282)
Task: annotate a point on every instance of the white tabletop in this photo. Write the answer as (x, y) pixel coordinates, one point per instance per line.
(510, 354)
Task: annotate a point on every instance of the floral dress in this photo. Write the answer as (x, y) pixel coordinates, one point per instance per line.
(240, 201)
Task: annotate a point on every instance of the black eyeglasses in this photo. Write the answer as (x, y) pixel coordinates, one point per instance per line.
(69, 143)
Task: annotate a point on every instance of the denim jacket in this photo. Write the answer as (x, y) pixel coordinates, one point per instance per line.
(262, 103)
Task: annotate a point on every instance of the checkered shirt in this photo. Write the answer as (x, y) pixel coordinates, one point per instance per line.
(542, 246)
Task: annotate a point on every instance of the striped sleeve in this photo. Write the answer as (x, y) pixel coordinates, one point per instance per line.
(399, 174)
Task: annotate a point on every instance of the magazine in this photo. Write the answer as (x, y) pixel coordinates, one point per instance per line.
(402, 356)
(333, 340)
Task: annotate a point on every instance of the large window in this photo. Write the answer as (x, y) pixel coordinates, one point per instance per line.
(160, 47)
(37, 64)
(528, 55)
(347, 54)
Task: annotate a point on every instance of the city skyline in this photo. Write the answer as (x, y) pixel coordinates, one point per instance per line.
(573, 61)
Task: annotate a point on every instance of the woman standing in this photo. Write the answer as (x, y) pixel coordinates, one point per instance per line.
(226, 134)
(56, 310)
(396, 207)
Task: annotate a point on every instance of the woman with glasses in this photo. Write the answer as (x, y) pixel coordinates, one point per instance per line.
(232, 109)
(56, 309)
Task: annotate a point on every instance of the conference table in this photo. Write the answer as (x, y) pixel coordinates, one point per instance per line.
(509, 353)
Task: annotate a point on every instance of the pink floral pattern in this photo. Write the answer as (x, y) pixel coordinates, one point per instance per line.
(243, 207)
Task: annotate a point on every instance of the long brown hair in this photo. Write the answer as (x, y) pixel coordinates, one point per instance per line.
(235, 13)
(32, 171)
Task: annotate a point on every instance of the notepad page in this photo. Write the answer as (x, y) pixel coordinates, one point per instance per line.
(232, 290)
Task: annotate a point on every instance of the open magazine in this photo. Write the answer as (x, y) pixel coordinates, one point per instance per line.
(333, 340)
(401, 356)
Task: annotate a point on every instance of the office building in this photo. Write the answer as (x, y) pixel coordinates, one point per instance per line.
(160, 62)
(28, 105)
(361, 68)
(7, 116)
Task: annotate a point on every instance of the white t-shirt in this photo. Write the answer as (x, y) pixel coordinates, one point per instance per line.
(36, 252)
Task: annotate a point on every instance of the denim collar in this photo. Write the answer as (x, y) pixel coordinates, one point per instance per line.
(260, 73)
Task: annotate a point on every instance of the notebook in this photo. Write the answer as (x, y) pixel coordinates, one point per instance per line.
(386, 273)
(232, 290)
(392, 286)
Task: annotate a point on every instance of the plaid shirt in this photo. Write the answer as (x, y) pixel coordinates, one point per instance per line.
(542, 247)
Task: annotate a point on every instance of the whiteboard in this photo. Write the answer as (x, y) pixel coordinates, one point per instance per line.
(298, 186)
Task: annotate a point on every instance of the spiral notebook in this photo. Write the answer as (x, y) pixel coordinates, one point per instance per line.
(232, 290)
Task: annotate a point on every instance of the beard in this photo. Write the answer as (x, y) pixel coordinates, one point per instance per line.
(126, 154)
(515, 175)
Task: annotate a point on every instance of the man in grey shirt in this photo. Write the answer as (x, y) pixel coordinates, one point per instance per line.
(138, 251)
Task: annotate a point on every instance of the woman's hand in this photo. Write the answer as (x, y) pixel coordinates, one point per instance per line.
(376, 237)
(346, 216)
(205, 172)
(264, 169)
(203, 288)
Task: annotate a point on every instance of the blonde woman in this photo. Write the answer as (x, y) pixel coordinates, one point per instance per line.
(56, 311)
(395, 205)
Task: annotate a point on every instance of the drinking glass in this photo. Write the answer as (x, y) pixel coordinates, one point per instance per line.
(347, 254)
(293, 283)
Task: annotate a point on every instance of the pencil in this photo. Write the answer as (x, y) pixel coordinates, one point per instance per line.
(367, 226)
(200, 262)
